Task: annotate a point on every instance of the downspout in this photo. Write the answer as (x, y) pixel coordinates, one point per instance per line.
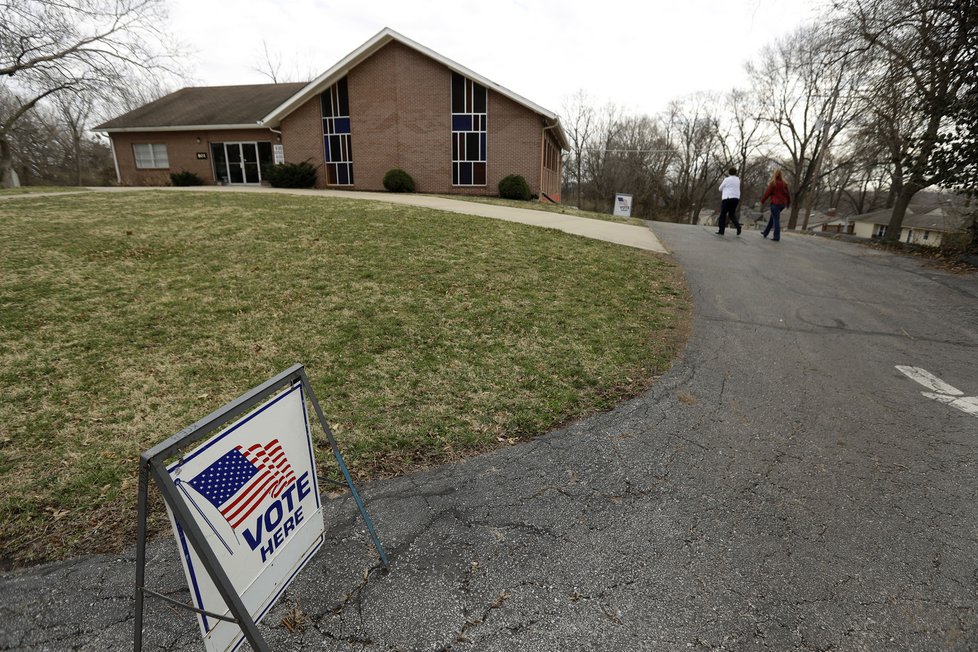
(115, 161)
(279, 134)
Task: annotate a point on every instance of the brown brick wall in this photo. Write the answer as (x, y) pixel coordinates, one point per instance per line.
(400, 106)
(514, 143)
(302, 137)
(181, 150)
(400, 103)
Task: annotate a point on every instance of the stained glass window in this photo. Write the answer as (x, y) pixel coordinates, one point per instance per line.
(337, 135)
(469, 119)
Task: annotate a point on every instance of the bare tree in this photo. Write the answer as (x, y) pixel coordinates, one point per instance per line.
(696, 167)
(48, 47)
(271, 64)
(580, 125)
(805, 85)
(739, 129)
(930, 46)
(600, 154)
(877, 139)
(741, 137)
(50, 152)
(636, 161)
(75, 109)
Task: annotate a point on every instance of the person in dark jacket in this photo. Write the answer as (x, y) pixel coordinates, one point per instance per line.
(777, 192)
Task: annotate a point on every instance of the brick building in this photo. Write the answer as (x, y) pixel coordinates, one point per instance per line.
(391, 103)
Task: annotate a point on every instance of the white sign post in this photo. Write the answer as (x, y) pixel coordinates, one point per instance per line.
(623, 205)
(244, 506)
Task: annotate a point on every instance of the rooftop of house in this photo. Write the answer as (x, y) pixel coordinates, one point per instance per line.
(207, 106)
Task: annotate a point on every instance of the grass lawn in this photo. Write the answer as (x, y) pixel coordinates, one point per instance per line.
(427, 336)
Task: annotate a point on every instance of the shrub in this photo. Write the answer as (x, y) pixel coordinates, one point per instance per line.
(514, 187)
(185, 178)
(398, 181)
(290, 175)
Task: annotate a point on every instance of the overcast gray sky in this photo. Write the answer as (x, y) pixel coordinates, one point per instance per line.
(638, 54)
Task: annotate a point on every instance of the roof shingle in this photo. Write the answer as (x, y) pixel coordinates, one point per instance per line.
(207, 105)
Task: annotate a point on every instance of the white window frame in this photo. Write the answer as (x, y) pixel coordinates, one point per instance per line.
(155, 153)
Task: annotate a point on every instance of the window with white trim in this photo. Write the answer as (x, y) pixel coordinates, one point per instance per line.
(469, 114)
(150, 155)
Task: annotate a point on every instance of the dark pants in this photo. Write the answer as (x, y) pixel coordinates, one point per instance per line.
(774, 222)
(728, 207)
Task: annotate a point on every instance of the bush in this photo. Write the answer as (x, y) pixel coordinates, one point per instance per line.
(514, 187)
(185, 178)
(398, 181)
(290, 175)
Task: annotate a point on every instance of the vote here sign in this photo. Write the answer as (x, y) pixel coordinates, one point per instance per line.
(253, 491)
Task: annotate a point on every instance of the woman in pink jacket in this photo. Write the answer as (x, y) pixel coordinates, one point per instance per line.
(777, 192)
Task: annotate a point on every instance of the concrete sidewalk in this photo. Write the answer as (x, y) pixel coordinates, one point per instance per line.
(628, 235)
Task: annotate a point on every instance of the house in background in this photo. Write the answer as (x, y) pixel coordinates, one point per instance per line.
(926, 227)
(829, 221)
(391, 103)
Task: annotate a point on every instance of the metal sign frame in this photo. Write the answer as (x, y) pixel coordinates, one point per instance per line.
(152, 463)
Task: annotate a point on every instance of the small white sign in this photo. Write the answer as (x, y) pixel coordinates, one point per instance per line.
(252, 489)
(623, 205)
(278, 154)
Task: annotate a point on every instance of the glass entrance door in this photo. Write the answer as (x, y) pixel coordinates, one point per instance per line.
(233, 157)
(237, 162)
(249, 163)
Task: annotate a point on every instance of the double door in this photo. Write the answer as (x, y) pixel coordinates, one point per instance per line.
(236, 162)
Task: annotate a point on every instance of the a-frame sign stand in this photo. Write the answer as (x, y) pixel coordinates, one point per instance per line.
(152, 464)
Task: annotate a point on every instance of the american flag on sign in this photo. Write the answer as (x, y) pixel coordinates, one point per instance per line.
(240, 480)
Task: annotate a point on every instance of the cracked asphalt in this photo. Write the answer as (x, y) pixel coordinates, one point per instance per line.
(782, 487)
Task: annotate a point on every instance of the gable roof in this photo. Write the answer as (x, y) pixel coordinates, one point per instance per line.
(210, 107)
(265, 105)
(378, 41)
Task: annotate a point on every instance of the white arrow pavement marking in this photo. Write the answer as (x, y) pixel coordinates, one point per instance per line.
(967, 404)
(944, 393)
(929, 380)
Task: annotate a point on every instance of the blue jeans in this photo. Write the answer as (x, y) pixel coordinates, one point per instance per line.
(775, 222)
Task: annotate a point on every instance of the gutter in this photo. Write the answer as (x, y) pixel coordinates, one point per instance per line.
(120, 130)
